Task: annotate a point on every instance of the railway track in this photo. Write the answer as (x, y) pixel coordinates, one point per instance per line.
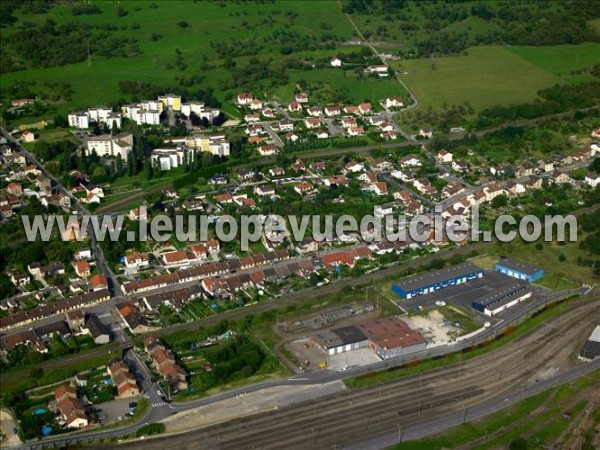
(348, 417)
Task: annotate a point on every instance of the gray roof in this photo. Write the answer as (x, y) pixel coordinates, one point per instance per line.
(349, 335)
(519, 266)
(500, 298)
(95, 326)
(430, 278)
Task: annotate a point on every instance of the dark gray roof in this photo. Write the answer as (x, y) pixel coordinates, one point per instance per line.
(502, 297)
(53, 327)
(430, 278)
(519, 266)
(349, 335)
(590, 350)
(95, 326)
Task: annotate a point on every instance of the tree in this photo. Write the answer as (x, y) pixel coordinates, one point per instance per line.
(183, 24)
(518, 444)
(121, 12)
(499, 201)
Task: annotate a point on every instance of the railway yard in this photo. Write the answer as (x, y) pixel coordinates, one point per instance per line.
(408, 407)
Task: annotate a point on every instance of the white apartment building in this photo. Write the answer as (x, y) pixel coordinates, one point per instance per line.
(119, 145)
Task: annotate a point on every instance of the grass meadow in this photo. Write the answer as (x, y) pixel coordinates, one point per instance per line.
(495, 75)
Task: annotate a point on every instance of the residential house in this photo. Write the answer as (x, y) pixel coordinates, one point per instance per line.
(135, 260)
(256, 104)
(82, 268)
(426, 133)
(264, 191)
(321, 134)
(312, 123)
(276, 171)
(268, 150)
(355, 131)
(444, 156)
(301, 97)
(353, 167)
(97, 329)
(99, 282)
(244, 99)
(314, 111)
(122, 378)
(71, 408)
(460, 166)
(294, 106)
(336, 62)
(332, 111)
(365, 109)
(286, 125)
(389, 135)
(410, 161)
(303, 188)
(291, 136)
(592, 180)
(394, 102)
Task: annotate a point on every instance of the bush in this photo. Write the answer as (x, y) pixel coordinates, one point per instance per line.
(151, 428)
(183, 24)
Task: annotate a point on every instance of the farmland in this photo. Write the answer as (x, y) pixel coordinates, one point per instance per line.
(284, 32)
(488, 76)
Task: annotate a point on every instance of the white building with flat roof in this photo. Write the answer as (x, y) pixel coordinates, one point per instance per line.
(119, 145)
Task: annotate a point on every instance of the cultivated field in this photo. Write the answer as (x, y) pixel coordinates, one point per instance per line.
(489, 76)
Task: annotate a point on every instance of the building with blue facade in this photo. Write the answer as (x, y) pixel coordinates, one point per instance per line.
(518, 269)
(432, 281)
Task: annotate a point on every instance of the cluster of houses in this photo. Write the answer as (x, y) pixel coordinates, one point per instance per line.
(42, 311)
(70, 406)
(75, 323)
(26, 181)
(263, 120)
(165, 364)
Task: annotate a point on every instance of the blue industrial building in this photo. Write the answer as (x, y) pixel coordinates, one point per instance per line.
(518, 269)
(439, 279)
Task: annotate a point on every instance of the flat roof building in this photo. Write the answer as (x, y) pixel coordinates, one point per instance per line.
(390, 337)
(591, 348)
(500, 301)
(439, 279)
(518, 269)
(340, 340)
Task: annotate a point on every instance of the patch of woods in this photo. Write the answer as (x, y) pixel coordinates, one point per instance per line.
(446, 27)
(32, 45)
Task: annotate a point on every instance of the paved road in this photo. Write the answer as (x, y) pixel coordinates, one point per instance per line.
(114, 287)
(160, 411)
(447, 396)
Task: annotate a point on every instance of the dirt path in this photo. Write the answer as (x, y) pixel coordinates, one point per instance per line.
(7, 425)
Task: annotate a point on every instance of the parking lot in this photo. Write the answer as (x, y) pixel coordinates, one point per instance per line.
(462, 295)
(111, 411)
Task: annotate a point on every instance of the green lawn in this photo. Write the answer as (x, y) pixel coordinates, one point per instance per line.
(209, 22)
(495, 75)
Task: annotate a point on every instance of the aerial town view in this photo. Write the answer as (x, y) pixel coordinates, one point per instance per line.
(300, 224)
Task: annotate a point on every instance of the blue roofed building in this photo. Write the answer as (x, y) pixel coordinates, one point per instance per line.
(432, 281)
(518, 269)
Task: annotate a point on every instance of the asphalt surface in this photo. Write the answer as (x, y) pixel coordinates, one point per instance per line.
(161, 409)
(410, 407)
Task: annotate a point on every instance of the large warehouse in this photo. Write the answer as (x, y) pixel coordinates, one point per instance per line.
(341, 340)
(518, 269)
(499, 301)
(439, 279)
(388, 337)
(591, 348)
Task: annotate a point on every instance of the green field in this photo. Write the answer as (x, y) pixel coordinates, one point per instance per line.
(494, 75)
(314, 25)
